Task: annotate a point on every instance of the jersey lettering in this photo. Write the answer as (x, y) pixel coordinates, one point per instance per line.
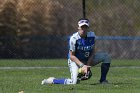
(82, 46)
(87, 54)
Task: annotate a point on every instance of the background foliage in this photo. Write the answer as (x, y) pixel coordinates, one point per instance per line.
(39, 28)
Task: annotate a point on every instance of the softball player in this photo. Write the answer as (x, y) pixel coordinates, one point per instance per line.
(82, 55)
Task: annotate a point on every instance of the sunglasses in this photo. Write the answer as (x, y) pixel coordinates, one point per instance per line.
(83, 21)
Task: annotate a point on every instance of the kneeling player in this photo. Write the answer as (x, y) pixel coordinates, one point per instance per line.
(82, 55)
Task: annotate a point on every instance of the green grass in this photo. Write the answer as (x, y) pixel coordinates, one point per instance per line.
(57, 62)
(122, 80)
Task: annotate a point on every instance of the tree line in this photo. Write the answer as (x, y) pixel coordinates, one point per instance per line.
(39, 28)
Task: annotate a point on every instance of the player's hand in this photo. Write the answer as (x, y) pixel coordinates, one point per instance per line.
(85, 68)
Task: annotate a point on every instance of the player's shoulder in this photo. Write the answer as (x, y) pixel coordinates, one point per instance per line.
(75, 36)
(91, 34)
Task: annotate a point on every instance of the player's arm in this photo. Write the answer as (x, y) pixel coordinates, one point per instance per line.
(78, 62)
(75, 59)
(72, 46)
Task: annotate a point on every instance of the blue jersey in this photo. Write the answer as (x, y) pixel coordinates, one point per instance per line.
(82, 46)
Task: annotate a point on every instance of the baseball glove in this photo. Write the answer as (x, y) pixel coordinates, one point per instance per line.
(83, 76)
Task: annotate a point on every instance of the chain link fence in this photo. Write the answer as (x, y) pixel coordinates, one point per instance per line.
(41, 28)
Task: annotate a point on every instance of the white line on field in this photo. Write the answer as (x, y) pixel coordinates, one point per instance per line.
(29, 67)
(6, 68)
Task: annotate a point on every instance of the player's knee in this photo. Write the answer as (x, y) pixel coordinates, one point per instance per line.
(76, 81)
(107, 58)
(70, 81)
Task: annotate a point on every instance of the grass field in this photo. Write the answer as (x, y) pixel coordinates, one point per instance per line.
(124, 77)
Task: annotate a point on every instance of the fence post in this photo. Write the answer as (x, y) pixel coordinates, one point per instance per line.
(84, 8)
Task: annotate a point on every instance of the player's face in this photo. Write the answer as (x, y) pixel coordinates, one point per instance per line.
(83, 30)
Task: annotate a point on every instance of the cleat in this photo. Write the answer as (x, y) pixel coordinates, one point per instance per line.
(104, 82)
(48, 81)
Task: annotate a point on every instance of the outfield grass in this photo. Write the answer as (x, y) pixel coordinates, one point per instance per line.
(122, 80)
(57, 62)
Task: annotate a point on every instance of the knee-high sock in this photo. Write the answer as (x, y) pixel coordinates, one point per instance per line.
(59, 81)
(104, 71)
